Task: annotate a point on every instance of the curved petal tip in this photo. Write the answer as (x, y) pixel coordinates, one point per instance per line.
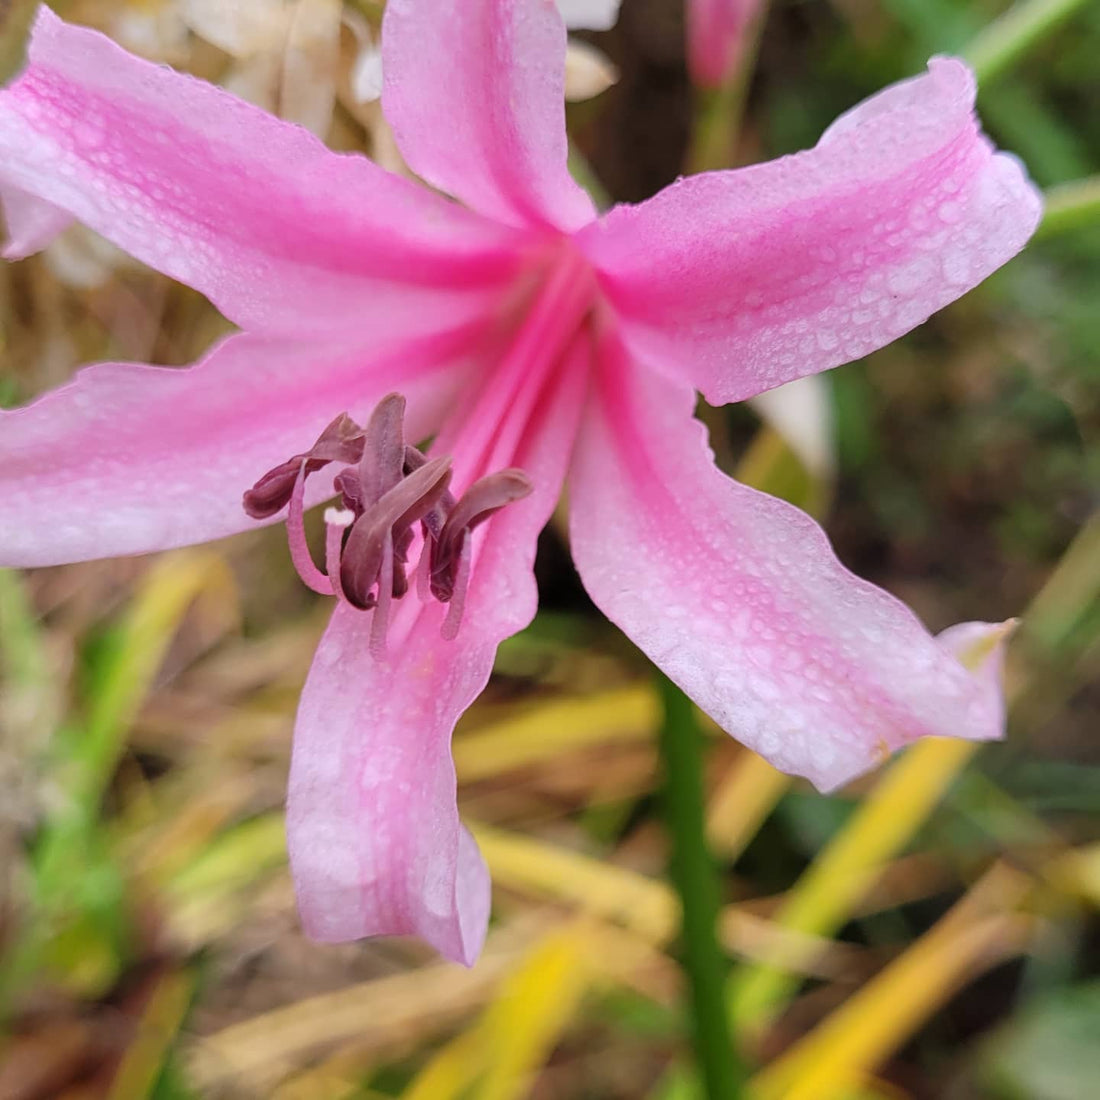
(376, 846)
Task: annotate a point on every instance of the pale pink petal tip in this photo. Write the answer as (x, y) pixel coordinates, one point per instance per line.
(376, 846)
(740, 599)
(31, 223)
(980, 648)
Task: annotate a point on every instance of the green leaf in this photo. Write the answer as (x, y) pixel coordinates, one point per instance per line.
(1050, 1051)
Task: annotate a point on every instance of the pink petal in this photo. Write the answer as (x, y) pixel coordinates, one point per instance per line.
(277, 231)
(376, 845)
(375, 842)
(474, 93)
(740, 281)
(127, 458)
(31, 223)
(741, 600)
(715, 38)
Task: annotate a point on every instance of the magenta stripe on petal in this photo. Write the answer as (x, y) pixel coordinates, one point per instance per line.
(740, 281)
(127, 458)
(741, 600)
(279, 232)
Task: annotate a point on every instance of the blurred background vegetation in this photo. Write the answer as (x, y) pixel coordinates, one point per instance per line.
(930, 932)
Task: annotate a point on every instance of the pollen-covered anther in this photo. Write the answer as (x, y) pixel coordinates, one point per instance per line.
(386, 488)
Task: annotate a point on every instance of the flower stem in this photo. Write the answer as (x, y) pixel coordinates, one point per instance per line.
(695, 878)
(718, 111)
(1006, 39)
(717, 121)
(1070, 206)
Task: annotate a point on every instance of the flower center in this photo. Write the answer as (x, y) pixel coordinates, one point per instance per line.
(543, 323)
(387, 487)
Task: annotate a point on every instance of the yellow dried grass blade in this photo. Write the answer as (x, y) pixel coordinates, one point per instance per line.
(205, 897)
(501, 1053)
(251, 1056)
(160, 1022)
(536, 1002)
(824, 897)
(318, 1085)
(173, 583)
(1077, 873)
(451, 1071)
(237, 856)
(742, 802)
(839, 1053)
(646, 907)
(1069, 592)
(181, 822)
(551, 728)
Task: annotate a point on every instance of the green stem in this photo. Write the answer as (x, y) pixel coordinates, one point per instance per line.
(1071, 206)
(1006, 39)
(695, 878)
(717, 121)
(718, 111)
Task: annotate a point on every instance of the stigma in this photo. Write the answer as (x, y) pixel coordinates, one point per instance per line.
(388, 490)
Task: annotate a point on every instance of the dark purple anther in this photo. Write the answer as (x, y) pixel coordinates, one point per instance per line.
(477, 504)
(390, 519)
(386, 488)
(341, 441)
(380, 462)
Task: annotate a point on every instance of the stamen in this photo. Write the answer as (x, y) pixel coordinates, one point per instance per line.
(485, 497)
(311, 576)
(382, 464)
(337, 521)
(386, 487)
(381, 618)
(348, 485)
(406, 503)
(401, 560)
(424, 568)
(341, 441)
(461, 582)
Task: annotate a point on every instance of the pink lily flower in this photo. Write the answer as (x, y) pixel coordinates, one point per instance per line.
(716, 37)
(525, 333)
